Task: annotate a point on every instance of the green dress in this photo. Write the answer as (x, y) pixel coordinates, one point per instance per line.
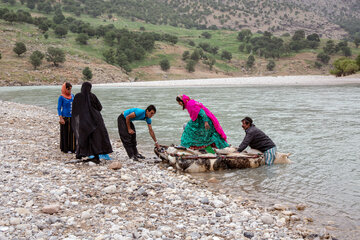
(195, 134)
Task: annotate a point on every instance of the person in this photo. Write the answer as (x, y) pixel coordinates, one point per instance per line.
(203, 131)
(88, 125)
(127, 130)
(67, 138)
(257, 139)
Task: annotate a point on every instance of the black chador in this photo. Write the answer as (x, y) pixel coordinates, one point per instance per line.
(88, 125)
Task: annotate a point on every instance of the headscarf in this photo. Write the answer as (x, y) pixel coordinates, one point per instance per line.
(193, 107)
(64, 93)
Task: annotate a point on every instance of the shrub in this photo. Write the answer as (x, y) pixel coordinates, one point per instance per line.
(185, 55)
(36, 58)
(358, 60)
(55, 55)
(165, 64)
(250, 61)
(323, 57)
(346, 51)
(61, 30)
(206, 35)
(191, 43)
(19, 48)
(210, 61)
(87, 73)
(271, 65)
(226, 55)
(0, 55)
(46, 35)
(318, 65)
(344, 66)
(82, 38)
(190, 65)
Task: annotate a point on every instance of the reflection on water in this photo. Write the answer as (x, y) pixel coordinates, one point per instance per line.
(319, 125)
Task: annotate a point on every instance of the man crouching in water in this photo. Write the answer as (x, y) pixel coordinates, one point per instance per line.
(127, 130)
(257, 139)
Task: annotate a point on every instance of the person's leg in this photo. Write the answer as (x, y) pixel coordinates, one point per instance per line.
(134, 142)
(269, 156)
(62, 137)
(125, 137)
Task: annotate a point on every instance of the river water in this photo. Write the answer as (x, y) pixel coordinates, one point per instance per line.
(319, 125)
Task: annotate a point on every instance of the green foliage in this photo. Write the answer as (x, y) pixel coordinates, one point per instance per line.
(87, 73)
(58, 17)
(271, 65)
(298, 35)
(10, 17)
(357, 60)
(329, 47)
(191, 43)
(165, 64)
(185, 55)
(346, 51)
(82, 38)
(109, 56)
(46, 35)
(190, 65)
(210, 61)
(323, 57)
(36, 58)
(60, 30)
(244, 35)
(313, 37)
(357, 41)
(19, 48)
(55, 55)
(318, 65)
(195, 55)
(226, 55)
(250, 61)
(206, 35)
(344, 66)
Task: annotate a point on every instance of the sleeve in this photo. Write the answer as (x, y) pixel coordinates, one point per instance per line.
(95, 102)
(148, 120)
(60, 103)
(203, 115)
(245, 142)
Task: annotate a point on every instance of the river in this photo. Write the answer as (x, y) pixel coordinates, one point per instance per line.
(319, 125)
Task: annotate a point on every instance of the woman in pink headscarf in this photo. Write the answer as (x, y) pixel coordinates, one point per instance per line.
(203, 130)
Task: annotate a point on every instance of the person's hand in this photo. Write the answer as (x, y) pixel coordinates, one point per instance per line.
(62, 121)
(130, 131)
(207, 126)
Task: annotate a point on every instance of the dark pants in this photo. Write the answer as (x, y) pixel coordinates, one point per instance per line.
(67, 137)
(128, 140)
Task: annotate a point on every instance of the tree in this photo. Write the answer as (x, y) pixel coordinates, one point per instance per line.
(271, 65)
(330, 47)
(298, 35)
(226, 55)
(195, 55)
(357, 41)
(19, 48)
(55, 55)
(87, 73)
(185, 55)
(58, 17)
(344, 66)
(250, 61)
(36, 58)
(165, 64)
(210, 61)
(244, 35)
(109, 56)
(82, 38)
(313, 37)
(358, 60)
(190, 65)
(206, 35)
(346, 51)
(10, 17)
(323, 57)
(61, 30)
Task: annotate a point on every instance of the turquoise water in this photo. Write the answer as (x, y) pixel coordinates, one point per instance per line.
(319, 125)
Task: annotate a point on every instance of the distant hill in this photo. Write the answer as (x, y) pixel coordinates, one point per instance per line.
(329, 18)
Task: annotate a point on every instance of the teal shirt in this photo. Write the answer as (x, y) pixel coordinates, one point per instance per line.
(139, 115)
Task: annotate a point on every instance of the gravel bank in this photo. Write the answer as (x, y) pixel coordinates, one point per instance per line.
(44, 198)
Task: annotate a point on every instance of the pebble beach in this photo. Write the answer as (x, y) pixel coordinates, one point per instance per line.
(42, 197)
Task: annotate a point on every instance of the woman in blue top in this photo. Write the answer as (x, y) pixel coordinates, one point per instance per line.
(67, 138)
(127, 130)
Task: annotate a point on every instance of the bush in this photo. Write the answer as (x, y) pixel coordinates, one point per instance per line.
(358, 60)
(344, 66)
(318, 65)
(210, 61)
(323, 57)
(206, 35)
(82, 38)
(191, 43)
(250, 61)
(271, 65)
(19, 48)
(226, 55)
(46, 35)
(36, 58)
(55, 55)
(87, 73)
(61, 30)
(190, 65)
(185, 55)
(165, 64)
(195, 55)
(0, 55)
(346, 51)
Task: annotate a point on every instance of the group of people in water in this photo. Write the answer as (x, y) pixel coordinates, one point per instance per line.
(82, 128)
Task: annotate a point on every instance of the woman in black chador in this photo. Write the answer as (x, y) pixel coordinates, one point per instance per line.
(88, 125)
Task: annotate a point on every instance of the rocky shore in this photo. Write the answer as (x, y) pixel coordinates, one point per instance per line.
(44, 198)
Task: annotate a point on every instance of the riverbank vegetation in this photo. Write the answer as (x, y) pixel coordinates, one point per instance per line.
(136, 49)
